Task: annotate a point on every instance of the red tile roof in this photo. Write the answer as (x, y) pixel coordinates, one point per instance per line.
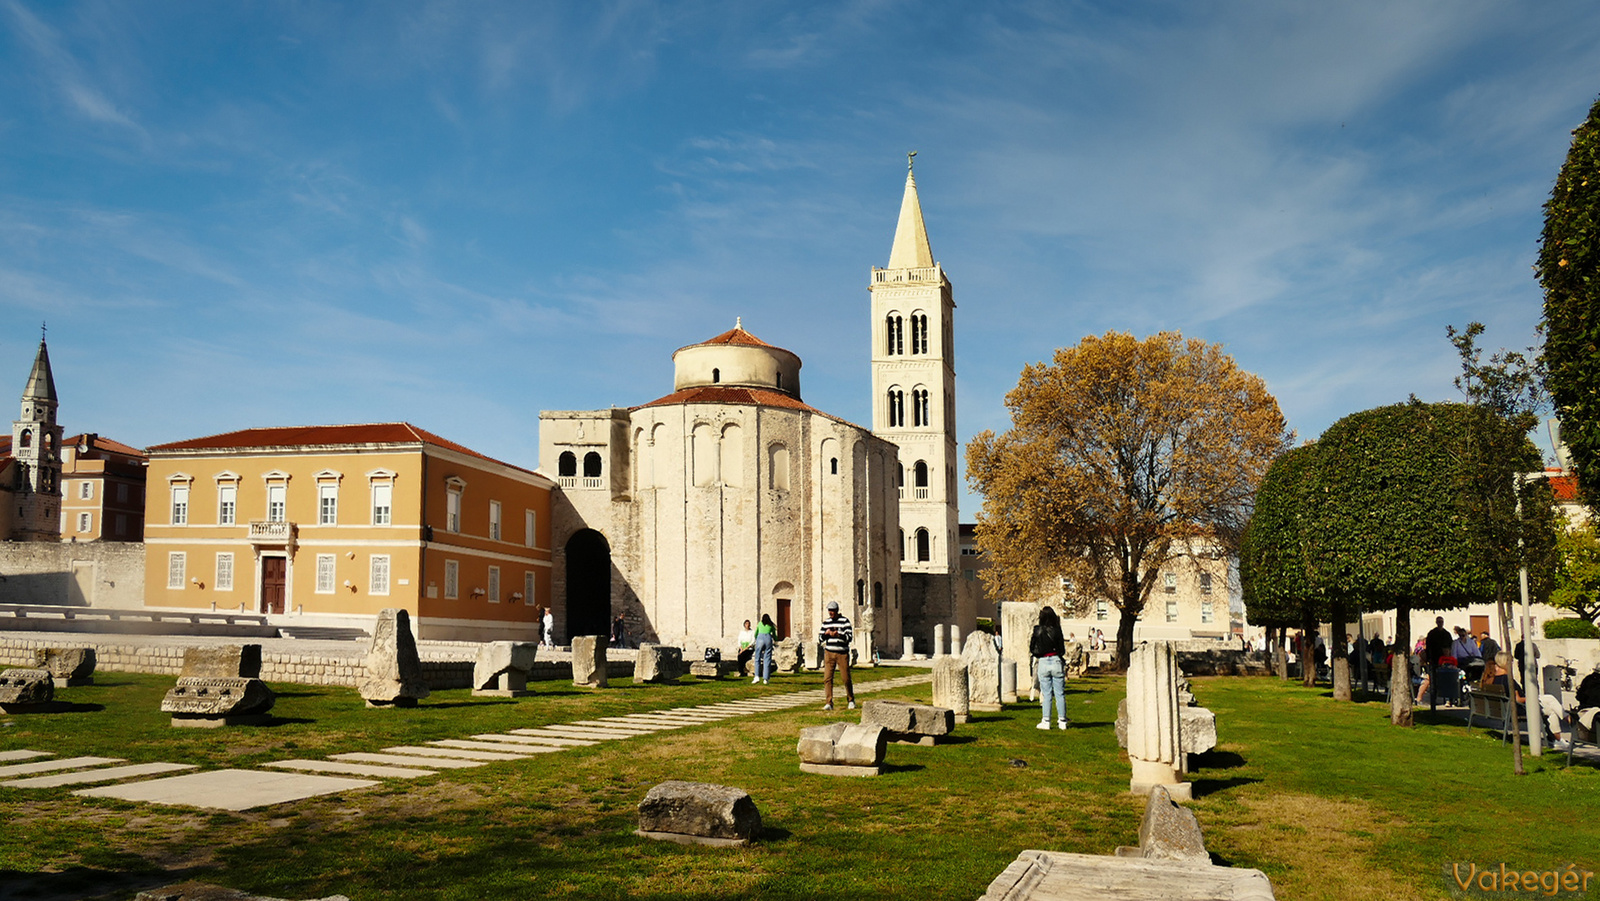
(101, 442)
(326, 436)
(1565, 488)
(729, 394)
(736, 335)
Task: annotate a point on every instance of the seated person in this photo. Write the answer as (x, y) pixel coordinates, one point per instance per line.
(1495, 678)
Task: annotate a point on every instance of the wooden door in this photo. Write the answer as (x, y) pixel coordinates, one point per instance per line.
(273, 581)
(783, 618)
(1480, 625)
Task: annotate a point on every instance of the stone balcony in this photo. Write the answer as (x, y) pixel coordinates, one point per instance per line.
(272, 532)
(922, 275)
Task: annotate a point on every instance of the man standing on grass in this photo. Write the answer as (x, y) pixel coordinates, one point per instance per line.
(836, 634)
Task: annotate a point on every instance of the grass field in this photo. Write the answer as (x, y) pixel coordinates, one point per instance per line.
(1328, 799)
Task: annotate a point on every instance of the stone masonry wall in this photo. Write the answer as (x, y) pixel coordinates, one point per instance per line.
(108, 573)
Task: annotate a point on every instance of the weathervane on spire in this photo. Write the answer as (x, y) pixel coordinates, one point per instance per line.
(43, 327)
(909, 158)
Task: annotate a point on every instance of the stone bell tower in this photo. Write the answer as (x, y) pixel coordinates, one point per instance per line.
(36, 447)
(914, 406)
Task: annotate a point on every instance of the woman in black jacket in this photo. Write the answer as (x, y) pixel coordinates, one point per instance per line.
(1050, 649)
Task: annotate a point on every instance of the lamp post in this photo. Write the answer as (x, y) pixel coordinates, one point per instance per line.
(1530, 690)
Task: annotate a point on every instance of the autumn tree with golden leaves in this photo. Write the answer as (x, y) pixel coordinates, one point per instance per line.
(1123, 456)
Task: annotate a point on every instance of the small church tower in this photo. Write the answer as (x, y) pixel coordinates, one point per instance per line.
(36, 447)
(914, 406)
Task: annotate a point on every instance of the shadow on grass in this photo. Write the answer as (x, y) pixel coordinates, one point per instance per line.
(1218, 760)
(81, 882)
(902, 768)
(286, 721)
(445, 705)
(772, 835)
(1206, 787)
(49, 707)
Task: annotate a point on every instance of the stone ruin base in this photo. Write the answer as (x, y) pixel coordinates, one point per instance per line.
(834, 769)
(703, 670)
(201, 721)
(699, 813)
(202, 891)
(1057, 876)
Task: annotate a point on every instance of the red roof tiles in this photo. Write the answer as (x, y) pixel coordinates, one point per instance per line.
(326, 436)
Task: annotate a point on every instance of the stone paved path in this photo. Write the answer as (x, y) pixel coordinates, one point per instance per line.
(294, 779)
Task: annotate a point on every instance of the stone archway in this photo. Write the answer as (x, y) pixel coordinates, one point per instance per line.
(588, 584)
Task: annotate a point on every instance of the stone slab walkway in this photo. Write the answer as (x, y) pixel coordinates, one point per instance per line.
(281, 781)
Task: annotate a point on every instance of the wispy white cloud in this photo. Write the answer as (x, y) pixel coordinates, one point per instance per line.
(66, 75)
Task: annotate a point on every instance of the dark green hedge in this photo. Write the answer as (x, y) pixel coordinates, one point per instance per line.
(1570, 627)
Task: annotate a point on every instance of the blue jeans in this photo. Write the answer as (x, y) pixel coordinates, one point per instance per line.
(1052, 683)
(764, 656)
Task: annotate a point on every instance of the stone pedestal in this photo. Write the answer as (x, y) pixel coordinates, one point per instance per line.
(950, 686)
(589, 661)
(908, 648)
(394, 671)
(982, 660)
(843, 749)
(863, 642)
(236, 661)
(704, 669)
(213, 701)
(955, 639)
(1008, 681)
(939, 646)
(502, 669)
(25, 690)
(69, 667)
(699, 813)
(912, 724)
(1154, 738)
(660, 663)
(786, 656)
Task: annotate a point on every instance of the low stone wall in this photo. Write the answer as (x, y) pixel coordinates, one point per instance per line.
(278, 665)
(77, 573)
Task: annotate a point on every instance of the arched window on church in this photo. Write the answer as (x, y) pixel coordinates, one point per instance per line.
(897, 407)
(894, 334)
(902, 545)
(919, 407)
(877, 594)
(780, 380)
(919, 480)
(900, 488)
(567, 465)
(919, 333)
(924, 546)
(833, 466)
(27, 438)
(861, 592)
(716, 376)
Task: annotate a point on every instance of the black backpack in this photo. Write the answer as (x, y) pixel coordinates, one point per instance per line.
(713, 655)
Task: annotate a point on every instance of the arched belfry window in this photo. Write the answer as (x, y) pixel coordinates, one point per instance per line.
(919, 333)
(919, 480)
(27, 438)
(567, 465)
(833, 466)
(919, 407)
(924, 546)
(894, 335)
(716, 376)
(897, 408)
(591, 465)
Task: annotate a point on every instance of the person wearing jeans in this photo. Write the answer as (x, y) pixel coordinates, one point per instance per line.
(1050, 649)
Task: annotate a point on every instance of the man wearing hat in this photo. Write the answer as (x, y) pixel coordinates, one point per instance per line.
(836, 634)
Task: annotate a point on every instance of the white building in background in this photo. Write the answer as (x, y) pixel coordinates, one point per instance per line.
(724, 500)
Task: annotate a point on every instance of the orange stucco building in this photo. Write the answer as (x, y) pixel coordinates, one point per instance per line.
(327, 525)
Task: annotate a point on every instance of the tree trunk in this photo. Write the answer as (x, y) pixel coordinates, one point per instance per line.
(1125, 637)
(1340, 652)
(1400, 673)
(1308, 648)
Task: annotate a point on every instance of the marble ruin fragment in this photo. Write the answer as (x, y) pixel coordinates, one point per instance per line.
(589, 661)
(843, 749)
(25, 690)
(1154, 736)
(950, 686)
(503, 667)
(69, 667)
(699, 813)
(659, 663)
(906, 723)
(394, 671)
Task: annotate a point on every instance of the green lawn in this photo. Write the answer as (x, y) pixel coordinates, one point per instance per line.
(1327, 799)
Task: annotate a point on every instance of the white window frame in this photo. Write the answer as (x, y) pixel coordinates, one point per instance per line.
(177, 569)
(86, 490)
(85, 523)
(327, 504)
(327, 573)
(180, 505)
(529, 583)
(1169, 583)
(494, 584)
(382, 502)
(1205, 583)
(224, 579)
(452, 580)
(1172, 611)
(1102, 611)
(494, 520)
(452, 510)
(530, 528)
(278, 508)
(227, 503)
(378, 574)
(1207, 615)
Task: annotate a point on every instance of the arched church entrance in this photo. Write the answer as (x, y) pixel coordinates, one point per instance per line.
(588, 584)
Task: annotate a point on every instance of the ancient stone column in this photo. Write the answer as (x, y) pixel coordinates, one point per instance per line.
(393, 676)
(950, 686)
(1008, 681)
(589, 660)
(1154, 737)
(955, 640)
(938, 641)
(982, 660)
(908, 647)
(1017, 620)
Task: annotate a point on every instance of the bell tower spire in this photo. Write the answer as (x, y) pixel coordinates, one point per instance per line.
(36, 447)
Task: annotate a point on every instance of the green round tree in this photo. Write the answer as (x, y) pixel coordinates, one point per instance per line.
(1272, 566)
(1569, 270)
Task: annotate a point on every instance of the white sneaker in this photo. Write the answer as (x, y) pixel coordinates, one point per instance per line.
(766, 681)
(754, 679)
(1043, 724)
(852, 705)
(1062, 724)
(827, 706)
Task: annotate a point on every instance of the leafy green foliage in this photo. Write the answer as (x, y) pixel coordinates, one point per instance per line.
(1577, 577)
(1570, 627)
(1569, 270)
(1272, 562)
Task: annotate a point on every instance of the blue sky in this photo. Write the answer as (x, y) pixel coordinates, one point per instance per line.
(248, 214)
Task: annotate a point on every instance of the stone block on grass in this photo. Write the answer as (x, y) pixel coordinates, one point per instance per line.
(238, 661)
(26, 690)
(69, 667)
(589, 661)
(786, 656)
(699, 813)
(659, 663)
(209, 702)
(909, 723)
(843, 749)
(950, 686)
(393, 669)
(502, 668)
(702, 669)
